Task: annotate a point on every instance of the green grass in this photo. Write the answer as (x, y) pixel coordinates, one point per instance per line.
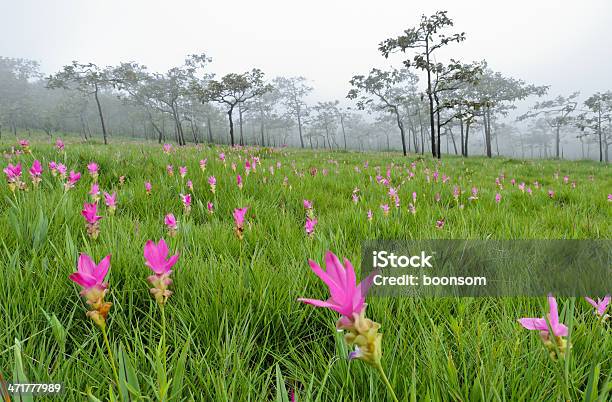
(234, 306)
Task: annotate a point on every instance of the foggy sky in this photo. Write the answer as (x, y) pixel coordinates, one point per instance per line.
(565, 44)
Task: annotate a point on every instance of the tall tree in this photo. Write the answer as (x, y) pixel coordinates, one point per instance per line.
(232, 90)
(385, 91)
(557, 112)
(425, 39)
(293, 90)
(88, 79)
(597, 120)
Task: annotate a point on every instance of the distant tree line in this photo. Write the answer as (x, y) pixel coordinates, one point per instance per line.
(427, 102)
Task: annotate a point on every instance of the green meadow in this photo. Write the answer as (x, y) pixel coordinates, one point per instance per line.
(234, 328)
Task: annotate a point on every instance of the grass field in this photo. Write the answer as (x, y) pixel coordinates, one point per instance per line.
(235, 330)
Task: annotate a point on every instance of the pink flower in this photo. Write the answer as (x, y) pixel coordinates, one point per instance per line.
(239, 214)
(186, 198)
(89, 213)
(551, 194)
(93, 168)
(73, 179)
(203, 164)
(498, 198)
(170, 170)
(171, 224)
(239, 181)
(183, 171)
(94, 191)
(61, 168)
(148, 187)
(600, 305)
(210, 207)
(190, 185)
(385, 209)
(440, 223)
(167, 148)
(541, 324)
(156, 257)
(36, 170)
(370, 215)
(212, 182)
(89, 275)
(310, 226)
(346, 296)
(111, 201)
(222, 157)
(307, 204)
(13, 173)
(59, 144)
(609, 197)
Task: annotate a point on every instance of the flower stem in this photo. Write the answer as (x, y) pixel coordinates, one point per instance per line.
(163, 339)
(112, 360)
(386, 381)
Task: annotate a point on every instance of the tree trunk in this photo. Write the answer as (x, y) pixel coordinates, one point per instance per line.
(299, 119)
(431, 101)
(487, 126)
(210, 136)
(343, 131)
(100, 114)
(401, 127)
(240, 124)
(231, 124)
(467, 134)
(557, 141)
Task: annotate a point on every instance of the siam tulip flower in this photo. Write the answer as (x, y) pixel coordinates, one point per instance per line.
(36, 172)
(25, 146)
(348, 299)
(278, 165)
(310, 226)
(529, 191)
(498, 198)
(212, 182)
(239, 181)
(545, 325)
(186, 198)
(121, 180)
(414, 197)
(370, 215)
(92, 223)
(59, 144)
(239, 214)
(183, 171)
(53, 168)
(93, 169)
(474, 195)
(203, 164)
(437, 197)
(456, 193)
(210, 207)
(600, 305)
(551, 194)
(565, 179)
(308, 207)
(73, 179)
(609, 197)
(521, 187)
(412, 208)
(148, 187)
(233, 166)
(62, 169)
(156, 257)
(111, 202)
(385, 209)
(90, 277)
(170, 170)
(13, 176)
(167, 148)
(355, 198)
(171, 224)
(222, 157)
(536, 184)
(95, 192)
(440, 223)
